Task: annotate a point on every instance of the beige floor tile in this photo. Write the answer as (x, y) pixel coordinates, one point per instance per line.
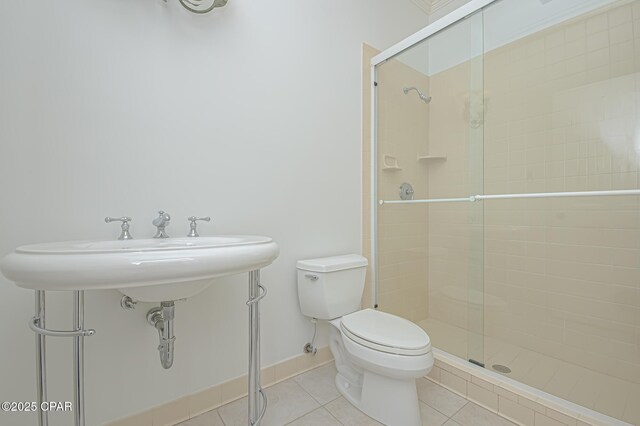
(349, 415)
(452, 423)
(443, 400)
(613, 401)
(632, 408)
(565, 379)
(632, 413)
(319, 417)
(523, 364)
(287, 401)
(320, 383)
(210, 418)
(543, 372)
(474, 415)
(586, 391)
(431, 416)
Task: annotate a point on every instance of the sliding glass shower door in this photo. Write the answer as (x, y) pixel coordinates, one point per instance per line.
(430, 146)
(563, 92)
(507, 194)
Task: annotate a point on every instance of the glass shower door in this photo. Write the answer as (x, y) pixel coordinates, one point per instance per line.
(562, 273)
(429, 125)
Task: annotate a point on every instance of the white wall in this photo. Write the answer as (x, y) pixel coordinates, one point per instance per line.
(250, 115)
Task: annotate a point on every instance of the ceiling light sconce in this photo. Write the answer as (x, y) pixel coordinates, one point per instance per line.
(201, 6)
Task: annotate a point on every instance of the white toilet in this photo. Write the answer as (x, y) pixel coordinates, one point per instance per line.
(378, 356)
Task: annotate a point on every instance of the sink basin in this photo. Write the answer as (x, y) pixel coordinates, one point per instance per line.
(149, 270)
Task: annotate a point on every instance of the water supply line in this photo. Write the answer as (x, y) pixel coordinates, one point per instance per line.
(310, 348)
(162, 319)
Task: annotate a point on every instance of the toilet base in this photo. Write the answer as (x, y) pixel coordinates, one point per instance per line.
(392, 402)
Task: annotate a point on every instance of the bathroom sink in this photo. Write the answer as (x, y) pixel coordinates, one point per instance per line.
(148, 270)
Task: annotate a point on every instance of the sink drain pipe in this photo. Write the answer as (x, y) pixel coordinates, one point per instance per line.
(162, 319)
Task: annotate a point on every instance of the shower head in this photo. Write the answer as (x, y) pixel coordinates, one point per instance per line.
(425, 98)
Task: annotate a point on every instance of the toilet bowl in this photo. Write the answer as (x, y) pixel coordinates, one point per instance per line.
(378, 356)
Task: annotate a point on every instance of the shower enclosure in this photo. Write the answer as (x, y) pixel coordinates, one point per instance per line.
(517, 247)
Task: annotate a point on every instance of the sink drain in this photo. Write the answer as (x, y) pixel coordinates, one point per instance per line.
(501, 368)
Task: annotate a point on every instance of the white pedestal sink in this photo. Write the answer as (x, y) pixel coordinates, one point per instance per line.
(149, 270)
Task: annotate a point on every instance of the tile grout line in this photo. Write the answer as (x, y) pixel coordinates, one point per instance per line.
(460, 409)
(467, 400)
(431, 406)
(324, 406)
(308, 394)
(219, 415)
(330, 413)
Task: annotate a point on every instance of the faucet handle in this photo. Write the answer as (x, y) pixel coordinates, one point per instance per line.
(163, 216)
(161, 222)
(124, 235)
(193, 232)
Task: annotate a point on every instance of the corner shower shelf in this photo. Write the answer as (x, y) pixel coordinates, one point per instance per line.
(430, 158)
(390, 163)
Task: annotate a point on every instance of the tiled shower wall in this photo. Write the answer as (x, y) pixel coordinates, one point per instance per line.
(563, 111)
(561, 276)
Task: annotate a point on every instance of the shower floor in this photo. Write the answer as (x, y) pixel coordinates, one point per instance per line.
(606, 394)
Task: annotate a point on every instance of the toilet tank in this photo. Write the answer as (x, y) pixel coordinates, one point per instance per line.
(330, 287)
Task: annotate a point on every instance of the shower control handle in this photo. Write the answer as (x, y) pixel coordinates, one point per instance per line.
(406, 191)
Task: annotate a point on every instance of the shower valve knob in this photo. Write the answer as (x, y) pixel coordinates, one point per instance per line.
(406, 191)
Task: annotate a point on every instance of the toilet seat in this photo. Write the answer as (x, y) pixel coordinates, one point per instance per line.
(384, 332)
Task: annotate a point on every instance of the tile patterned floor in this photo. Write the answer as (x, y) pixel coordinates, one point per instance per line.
(311, 399)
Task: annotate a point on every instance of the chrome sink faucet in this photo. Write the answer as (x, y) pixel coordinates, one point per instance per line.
(161, 222)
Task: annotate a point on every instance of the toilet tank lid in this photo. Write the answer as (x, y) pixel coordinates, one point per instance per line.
(334, 263)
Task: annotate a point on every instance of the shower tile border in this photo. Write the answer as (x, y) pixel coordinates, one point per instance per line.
(515, 401)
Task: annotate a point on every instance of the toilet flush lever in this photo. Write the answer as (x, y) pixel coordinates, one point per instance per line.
(312, 277)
